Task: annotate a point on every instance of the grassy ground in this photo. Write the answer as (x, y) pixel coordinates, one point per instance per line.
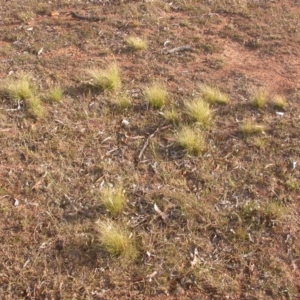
(132, 170)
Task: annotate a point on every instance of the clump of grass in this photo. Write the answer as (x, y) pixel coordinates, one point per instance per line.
(136, 43)
(259, 142)
(199, 111)
(34, 107)
(250, 128)
(213, 95)
(106, 79)
(55, 94)
(156, 95)
(122, 101)
(292, 184)
(190, 140)
(256, 213)
(279, 102)
(19, 89)
(172, 116)
(113, 199)
(260, 98)
(116, 240)
(275, 210)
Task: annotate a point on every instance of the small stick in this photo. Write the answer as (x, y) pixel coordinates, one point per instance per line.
(148, 140)
(178, 49)
(146, 144)
(86, 18)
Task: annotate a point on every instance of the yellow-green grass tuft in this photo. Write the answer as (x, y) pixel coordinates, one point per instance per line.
(34, 107)
(156, 95)
(55, 94)
(106, 79)
(250, 128)
(113, 198)
(172, 116)
(136, 43)
(280, 102)
(199, 111)
(19, 89)
(213, 95)
(191, 140)
(116, 240)
(122, 100)
(259, 98)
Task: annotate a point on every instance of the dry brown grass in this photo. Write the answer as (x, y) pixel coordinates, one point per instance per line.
(211, 211)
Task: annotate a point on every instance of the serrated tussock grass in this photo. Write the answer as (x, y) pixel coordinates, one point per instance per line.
(199, 111)
(279, 102)
(55, 94)
(156, 95)
(122, 100)
(108, 79)
(116, 240)
(136, 43)
(19, 89)
(213, 95)
(191, 140)
(250, 128)
(259, 98)
(171, 115)
(113, 199)
(34, 107)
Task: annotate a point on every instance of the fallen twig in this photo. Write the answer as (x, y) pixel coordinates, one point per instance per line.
(141, 153)
(179, 49)
(86, 18)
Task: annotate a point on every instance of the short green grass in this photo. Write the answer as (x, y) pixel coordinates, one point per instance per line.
(213, 95)
(136, 43)
(113, 199)
(156, 95)
(191, 140)
(199, 111)
(116, 240)
(108, 79)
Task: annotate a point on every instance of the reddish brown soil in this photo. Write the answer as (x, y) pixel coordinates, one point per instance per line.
(49, 166)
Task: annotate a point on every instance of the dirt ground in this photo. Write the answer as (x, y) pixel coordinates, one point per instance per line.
(228, 220)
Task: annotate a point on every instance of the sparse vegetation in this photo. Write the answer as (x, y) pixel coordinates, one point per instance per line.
(20, 88)
(116, 240)
(199, 111)
(194, 199)
(213, 95)
(113, 199)
(122, 100)
(260, 97)
(136, 43)
(34, 107)
(171, 115)
(249, 128)
(156, 95)
(280, 102)
(55, 94)
(106, 79)
(191, 140)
